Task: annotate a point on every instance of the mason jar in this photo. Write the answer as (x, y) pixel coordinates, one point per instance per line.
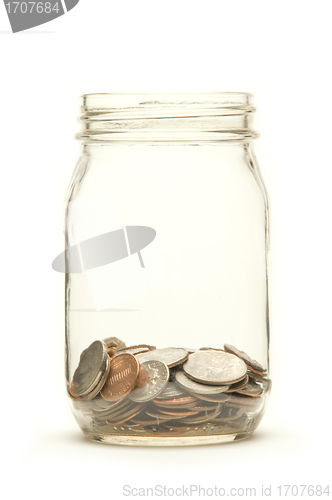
(166, 270)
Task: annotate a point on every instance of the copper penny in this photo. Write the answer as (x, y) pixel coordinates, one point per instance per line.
(122, 377)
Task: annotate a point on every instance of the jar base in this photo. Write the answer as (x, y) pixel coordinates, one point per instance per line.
(167, 441)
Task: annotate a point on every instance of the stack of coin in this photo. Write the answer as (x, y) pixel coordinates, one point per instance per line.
(143, 390)
(92, 371)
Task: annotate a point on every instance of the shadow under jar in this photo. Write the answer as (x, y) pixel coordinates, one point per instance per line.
(166, 270)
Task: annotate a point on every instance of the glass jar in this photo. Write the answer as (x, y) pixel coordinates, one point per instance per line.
(166, 270)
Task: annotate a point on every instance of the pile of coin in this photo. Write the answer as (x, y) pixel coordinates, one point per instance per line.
(167, 391)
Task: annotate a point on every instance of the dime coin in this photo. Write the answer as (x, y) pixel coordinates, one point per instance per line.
(91, 370)
(191, 385)
(122, 377)
(157, 380)
(215, 367)
(252, 364)
(171, 356)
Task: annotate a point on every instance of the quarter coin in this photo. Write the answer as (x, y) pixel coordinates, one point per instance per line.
(215, 367)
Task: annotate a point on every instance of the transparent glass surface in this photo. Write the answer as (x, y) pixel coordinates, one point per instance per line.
(167, 239)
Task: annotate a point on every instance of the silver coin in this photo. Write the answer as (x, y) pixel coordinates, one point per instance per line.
(191, 385)
(156, 383)
(91, 369)
(171, 356)
(215, 367)
(100, 384)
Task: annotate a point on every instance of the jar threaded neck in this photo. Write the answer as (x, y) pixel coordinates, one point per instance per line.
(167, 117)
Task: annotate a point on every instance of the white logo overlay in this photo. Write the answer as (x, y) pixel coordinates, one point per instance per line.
(121, 263)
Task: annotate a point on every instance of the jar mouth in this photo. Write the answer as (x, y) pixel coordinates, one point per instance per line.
(219, 116)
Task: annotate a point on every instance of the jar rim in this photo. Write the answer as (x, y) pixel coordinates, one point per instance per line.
(167, 116)
(226, 98)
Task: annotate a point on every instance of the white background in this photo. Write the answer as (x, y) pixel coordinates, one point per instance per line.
(280, 51)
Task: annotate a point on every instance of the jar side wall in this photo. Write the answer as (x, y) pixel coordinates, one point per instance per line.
(209, 214)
